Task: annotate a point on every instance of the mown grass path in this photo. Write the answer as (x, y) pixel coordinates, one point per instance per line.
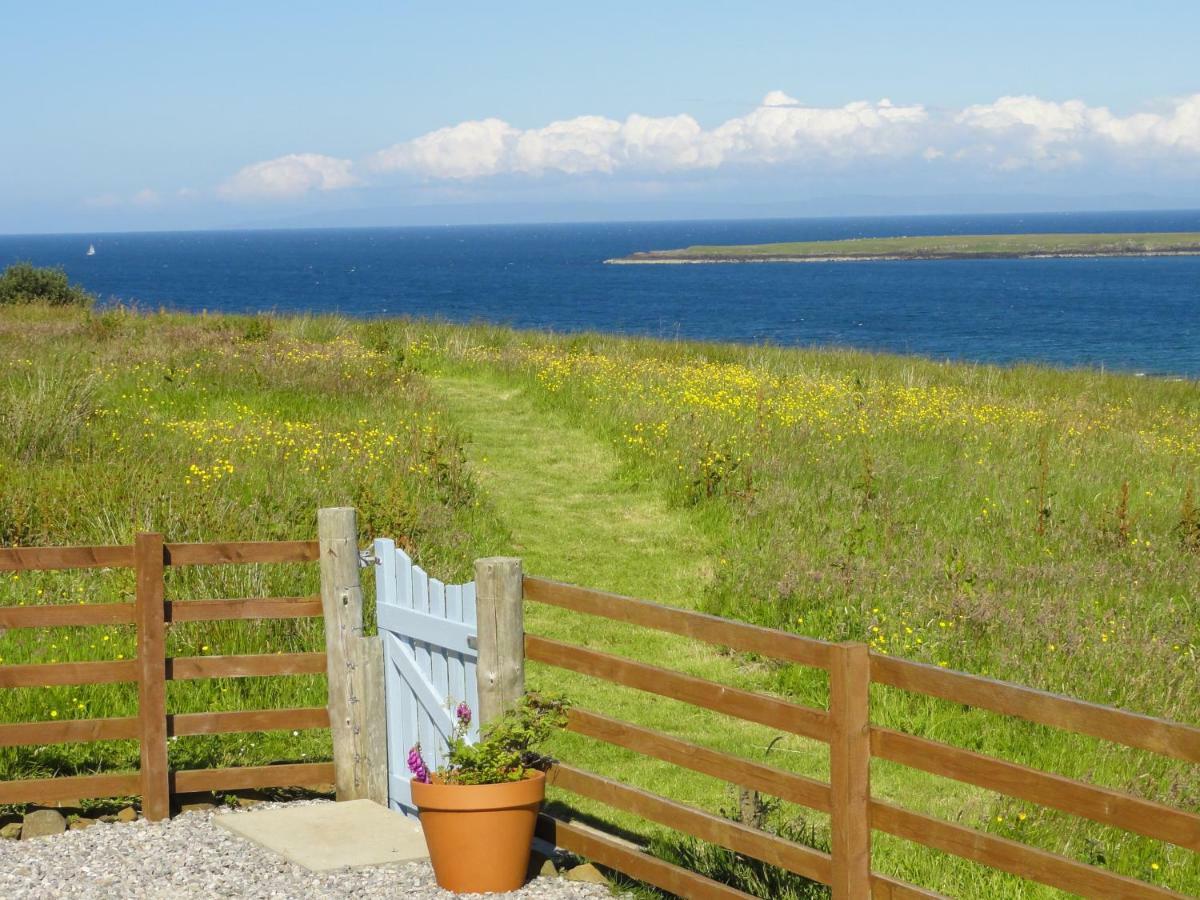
(574, 518)
(559, 493)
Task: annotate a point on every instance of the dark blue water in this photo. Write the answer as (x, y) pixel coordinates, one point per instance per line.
(1133, 314)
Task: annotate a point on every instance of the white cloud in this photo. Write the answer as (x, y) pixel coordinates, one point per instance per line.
(666, 143)
(574, 147)
(468, 150)
(780, 129)
(1010, 133)
(289, 176)
(1031, 131)
(779, 98)
(777, 132)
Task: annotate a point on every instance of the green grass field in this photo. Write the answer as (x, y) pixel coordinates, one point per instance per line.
(1030, 524)
(937, 247)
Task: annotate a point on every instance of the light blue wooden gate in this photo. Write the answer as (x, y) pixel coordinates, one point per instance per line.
(429, 632)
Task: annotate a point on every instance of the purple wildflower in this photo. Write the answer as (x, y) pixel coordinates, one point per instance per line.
(417, 766)
(463, 713)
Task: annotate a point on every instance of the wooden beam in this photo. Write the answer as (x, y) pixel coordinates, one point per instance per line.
(725, 766)
(187, 668)
(368, 678)
(1055, 710)
(850, 771)
(213, 554)
(50, 674)
(618, 855)
(75, 787)
(746, 705)
(248, 720)
(241, 778)
(698, 823)
(685, 622)
(152, 683)
(69, 732)
(1010, 856)
(248, 608)
(65, 615)
(342, 601)
(1120, 810)
(500, 671)
(44, 559)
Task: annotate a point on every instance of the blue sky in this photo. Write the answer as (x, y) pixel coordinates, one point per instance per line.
(140, 115)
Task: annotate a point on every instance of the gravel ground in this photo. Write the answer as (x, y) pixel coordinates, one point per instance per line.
(189, 856)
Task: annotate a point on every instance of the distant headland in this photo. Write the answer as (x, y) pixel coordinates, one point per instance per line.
(971, 246)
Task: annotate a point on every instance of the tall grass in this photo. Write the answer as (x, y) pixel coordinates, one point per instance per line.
(1029, 524)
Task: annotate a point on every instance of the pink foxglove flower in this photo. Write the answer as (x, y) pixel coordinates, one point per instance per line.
(463, 714)
(416, 765)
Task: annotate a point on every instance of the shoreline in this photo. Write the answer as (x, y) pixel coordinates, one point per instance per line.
(908, 257)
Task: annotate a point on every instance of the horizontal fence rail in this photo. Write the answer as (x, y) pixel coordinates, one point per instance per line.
(700, 626)
(65, 616)
(698, 823)
(853, 741)
(46, 559)
(1109, 807)
(756, 776)
(1105, 722)
(151, 613)
(747, 705)
(624, 857)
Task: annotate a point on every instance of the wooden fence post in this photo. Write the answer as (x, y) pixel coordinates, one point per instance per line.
(352, 666)
(850, 770)
(368, 684)
(501, 621)
(150, 611)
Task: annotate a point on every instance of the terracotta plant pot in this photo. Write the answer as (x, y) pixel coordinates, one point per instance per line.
(480, 835)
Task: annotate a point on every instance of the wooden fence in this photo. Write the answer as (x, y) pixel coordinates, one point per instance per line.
(353, 665)
(152, 613)
(853, 742)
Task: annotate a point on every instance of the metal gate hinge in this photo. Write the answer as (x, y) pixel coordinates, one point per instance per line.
(367, 558)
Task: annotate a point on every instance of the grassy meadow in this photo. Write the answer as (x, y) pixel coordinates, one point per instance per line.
(1030, 524)
(206, 429)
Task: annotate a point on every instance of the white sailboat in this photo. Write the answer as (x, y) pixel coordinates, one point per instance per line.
(91, 250)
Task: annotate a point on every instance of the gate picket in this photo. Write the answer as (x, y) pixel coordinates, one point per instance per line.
(428, 631)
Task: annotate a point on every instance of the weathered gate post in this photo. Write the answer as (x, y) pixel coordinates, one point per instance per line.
(353, 664)
(850, 770)
(501, 621)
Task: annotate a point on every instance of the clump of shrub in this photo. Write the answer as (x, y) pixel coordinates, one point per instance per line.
(23, 282)
(1189, 519)
(257, 329)
(43, 413)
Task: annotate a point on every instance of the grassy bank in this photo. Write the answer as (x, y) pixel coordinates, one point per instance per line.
(1030, 524)
(206, 429)
(972, 246)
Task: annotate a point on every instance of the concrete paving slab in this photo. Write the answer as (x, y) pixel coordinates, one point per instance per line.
(325, 836)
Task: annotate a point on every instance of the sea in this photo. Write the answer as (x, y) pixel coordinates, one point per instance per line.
(1138, 315)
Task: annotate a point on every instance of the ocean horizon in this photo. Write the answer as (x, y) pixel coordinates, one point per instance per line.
(1138, 314)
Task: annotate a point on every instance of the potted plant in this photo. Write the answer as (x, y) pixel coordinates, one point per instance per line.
(478, 810)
